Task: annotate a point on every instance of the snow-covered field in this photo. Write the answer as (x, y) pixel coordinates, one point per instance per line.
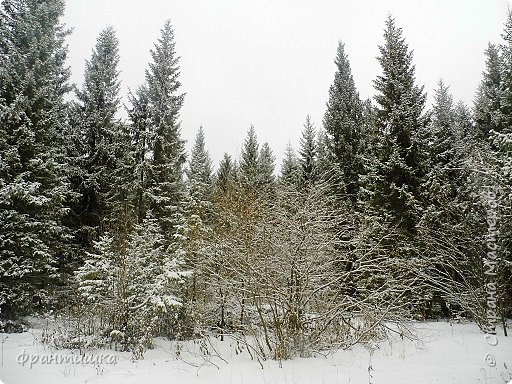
(443, 353)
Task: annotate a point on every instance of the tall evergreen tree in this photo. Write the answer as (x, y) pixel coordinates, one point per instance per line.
(266, 166)
(249, 160)
(448, 225)
(343, 123)
(506, 96)
(489, 97)
(399, 169)
(166, 190)
(96, 128)
(33, 186)
(445, 158)
(308, 153)
(226, 173)
(199, 172)
(161, 154)
(147, 240)
(138, 158)
(465, 122)
(501, 138)
(200, 188)
(198, 209)
(290, 168)
(442, 126)
(325, 158)
(121, 199)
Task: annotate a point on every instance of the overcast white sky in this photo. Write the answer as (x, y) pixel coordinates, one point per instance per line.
(270, 62)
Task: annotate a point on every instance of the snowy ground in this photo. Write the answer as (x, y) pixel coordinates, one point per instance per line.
(444, 353)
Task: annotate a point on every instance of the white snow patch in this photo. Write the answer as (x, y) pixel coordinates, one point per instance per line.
(443, 354)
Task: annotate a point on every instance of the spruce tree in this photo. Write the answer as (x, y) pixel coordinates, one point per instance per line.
(399, 169)
(466, 126)
(326, 165)
(161, 154)
(449, 226)
(226, 173)
(198, 210)
(506, 96)
(442, 129)
(121, 199)
(308, 153)
(391, 201)
(139, 157)
(290, 168)
(266, 167)
(134, 287)
(199, 187)
(199, 172)
(501, 139)
(489, 97)
(166, 188)
(33, 185)
(343, 123)
(446, 178)
(96, 128)
(249, 161)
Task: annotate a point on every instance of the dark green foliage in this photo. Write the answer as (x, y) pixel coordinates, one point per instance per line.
(394, 189)
(290, 168)
(137, 159)
(343, 123)
(489, 97)
(506, 97)
(166, 187)
(266, 167)
(199, 172)
(33, 186)
(249, 160)
(308, 153)
(158, 150)
(226, 173)
(95, 130)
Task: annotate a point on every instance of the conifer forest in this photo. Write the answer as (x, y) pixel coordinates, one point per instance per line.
(391, 210)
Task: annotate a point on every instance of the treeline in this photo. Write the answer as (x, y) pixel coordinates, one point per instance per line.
(380, 215)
